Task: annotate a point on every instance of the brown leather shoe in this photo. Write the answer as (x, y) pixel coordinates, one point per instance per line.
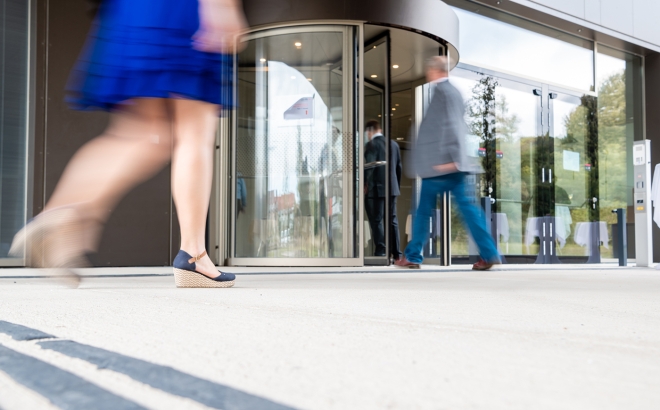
(483, 265)
(405, 263)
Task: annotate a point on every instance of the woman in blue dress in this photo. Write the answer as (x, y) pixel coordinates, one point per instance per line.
(162, 69)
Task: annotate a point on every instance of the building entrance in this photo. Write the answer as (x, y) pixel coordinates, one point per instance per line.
(538, 146)
(294, 148)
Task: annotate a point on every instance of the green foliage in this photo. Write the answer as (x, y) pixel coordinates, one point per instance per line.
(481, 109)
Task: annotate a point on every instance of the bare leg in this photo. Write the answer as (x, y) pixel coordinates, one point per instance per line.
(136, 145)
(195, 124)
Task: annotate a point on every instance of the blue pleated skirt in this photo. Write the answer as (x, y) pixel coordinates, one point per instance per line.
(143, 48)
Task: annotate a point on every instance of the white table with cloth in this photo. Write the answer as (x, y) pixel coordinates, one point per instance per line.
(501, 229)
(583, 234)
(563, 221)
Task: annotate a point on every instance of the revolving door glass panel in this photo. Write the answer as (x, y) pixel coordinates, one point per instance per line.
(294, 147)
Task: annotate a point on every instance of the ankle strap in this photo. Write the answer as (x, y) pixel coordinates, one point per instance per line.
(196, 258)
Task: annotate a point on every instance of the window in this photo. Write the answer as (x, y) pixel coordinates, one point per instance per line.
(14, 37)
(544, 54)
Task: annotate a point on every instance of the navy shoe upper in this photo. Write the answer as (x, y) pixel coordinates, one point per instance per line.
(181, 262)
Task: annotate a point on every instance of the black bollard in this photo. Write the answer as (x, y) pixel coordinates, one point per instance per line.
(622, 236)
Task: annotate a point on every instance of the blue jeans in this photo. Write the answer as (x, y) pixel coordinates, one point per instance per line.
(472, 216)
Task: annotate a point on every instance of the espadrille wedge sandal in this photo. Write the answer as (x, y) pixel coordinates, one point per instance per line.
(52, 240)
(185, 275)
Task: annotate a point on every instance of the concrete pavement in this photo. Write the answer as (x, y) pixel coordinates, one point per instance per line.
(442, 338)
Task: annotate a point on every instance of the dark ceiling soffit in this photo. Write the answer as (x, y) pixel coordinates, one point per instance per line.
(551, 21)
(431, 18)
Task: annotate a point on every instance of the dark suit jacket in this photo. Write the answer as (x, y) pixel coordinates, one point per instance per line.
(375, 177)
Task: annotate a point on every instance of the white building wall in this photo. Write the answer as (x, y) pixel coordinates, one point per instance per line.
(638, 19)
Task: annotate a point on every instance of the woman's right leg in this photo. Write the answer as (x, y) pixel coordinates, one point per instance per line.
(135, 146)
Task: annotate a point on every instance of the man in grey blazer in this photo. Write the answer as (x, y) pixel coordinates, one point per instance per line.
(440, 159)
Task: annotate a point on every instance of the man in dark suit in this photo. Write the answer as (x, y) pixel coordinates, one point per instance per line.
(441, 161)
(376, 192)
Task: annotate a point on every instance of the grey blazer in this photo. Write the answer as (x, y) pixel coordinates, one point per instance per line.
(442, 134)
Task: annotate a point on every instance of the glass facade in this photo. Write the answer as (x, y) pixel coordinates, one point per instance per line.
(554, 136)
(533, 51)
(14, 77)
(620, 122)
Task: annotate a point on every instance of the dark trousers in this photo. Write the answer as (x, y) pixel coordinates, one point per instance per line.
(375, 208)
(395, 251)
(375, 213)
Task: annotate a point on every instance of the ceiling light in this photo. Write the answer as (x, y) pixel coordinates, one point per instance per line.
(375, 46)
(374, 76)
(297, 44)
(309, 79)
(393, 109)
(399, 139)
(397, 105)
(263, 60)
(395, 66)
(379, 115)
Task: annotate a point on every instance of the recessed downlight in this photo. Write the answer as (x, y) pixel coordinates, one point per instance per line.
(263, 60)
(395, 66)
(297, 44)
(374, 76)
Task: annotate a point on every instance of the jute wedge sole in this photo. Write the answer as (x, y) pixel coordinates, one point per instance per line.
(187, 279)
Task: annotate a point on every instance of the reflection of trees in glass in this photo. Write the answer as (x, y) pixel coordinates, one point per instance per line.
(613, 134)
(581, 126)
(506, 124)
(481, 109)
(509, 178)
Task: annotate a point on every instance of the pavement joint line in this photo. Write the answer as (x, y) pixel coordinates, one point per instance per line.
(116, 383)
(22, 333)
(161, 378)
(62, 388)
(165, 378)
(22, 397)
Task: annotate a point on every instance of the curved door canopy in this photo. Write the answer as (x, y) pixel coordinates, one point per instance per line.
(431, 18)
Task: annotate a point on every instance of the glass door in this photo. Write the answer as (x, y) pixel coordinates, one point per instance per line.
(504, 118)
(376, 178)
(573, 130)
(294, 149)
(538, 147)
